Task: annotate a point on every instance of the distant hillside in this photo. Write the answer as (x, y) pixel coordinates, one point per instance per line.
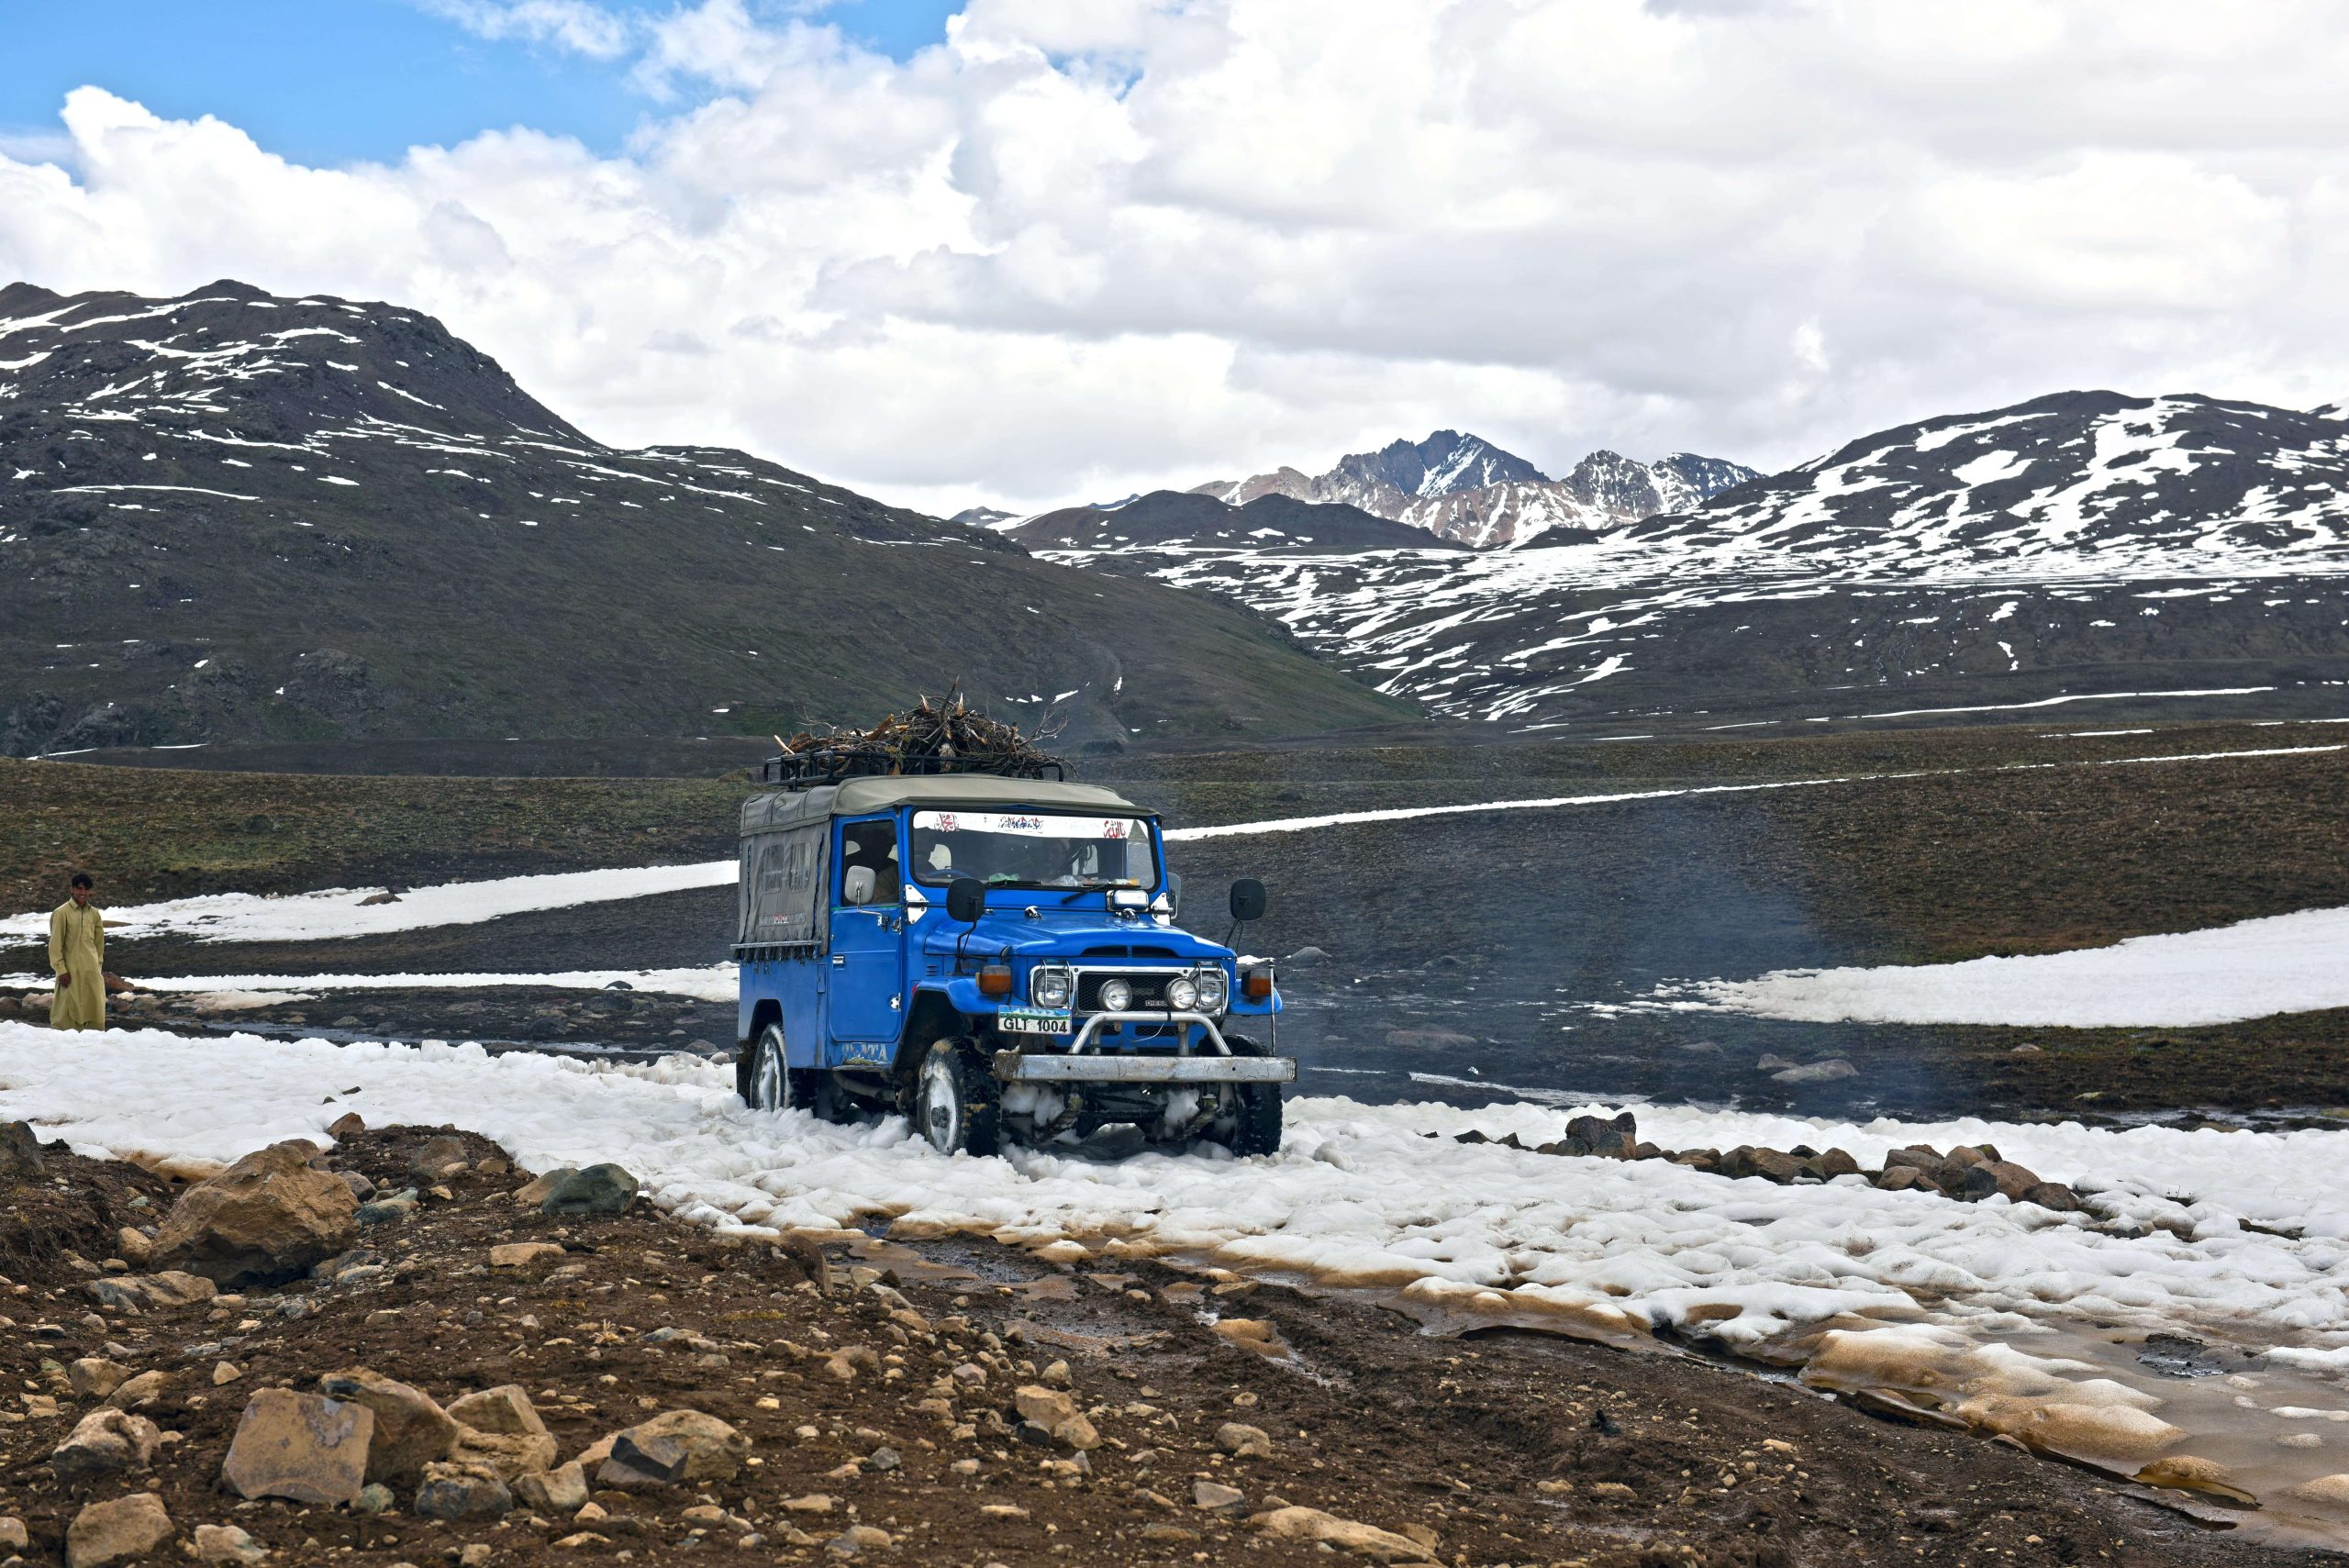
(1464, 489)
(2064, 550)
(1171, 518)
(237, 518)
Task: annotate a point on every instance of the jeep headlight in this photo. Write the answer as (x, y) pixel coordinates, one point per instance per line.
(1181, 992)
(1214, 988)
(1052, 986)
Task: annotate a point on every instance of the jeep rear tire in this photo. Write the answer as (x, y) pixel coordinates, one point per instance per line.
(958, 1106)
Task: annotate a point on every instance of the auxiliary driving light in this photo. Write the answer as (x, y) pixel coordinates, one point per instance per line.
(1116, 996)
(1181, 993)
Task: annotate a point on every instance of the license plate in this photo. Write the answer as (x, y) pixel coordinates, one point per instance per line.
(1031, 1020)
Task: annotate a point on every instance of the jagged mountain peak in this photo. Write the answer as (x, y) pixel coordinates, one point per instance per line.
(1444, 464)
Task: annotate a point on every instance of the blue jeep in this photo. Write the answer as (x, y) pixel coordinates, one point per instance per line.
(994, 957)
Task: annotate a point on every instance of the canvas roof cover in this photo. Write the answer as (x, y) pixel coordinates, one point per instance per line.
(858, 797)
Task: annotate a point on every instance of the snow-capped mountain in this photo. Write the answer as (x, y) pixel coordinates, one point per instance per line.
(234, 516)
(1171, 520)
(1464, 488)
(2060, 551)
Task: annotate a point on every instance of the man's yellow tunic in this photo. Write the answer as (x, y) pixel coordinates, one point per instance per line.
(77, 946)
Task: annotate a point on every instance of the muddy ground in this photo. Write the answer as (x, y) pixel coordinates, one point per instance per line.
(1499, 1448)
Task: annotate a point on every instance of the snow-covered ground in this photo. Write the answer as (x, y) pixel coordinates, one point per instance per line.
(345, 912)
(1358, 1196)
(712, 983)
(2285, 964)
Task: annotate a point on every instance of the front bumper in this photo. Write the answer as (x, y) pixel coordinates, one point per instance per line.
(1026, 1067)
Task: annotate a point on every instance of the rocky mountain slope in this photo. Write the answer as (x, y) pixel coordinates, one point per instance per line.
(1172, 519)
(1464, 488)
(2069, 548)
(233, 517)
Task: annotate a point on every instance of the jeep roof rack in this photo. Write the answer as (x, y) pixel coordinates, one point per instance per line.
(831, 764)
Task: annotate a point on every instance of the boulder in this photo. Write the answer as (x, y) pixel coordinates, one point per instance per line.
(226, 1544)
(599, 1190)
(1243, 1441)
(13, 1539)
(117, 1530)
(133, 1247)
(1307, 958)
(19, 1152)
(1340, 1535)
(437, 1160)
(1988, 1177)
(2052, 1195)
(562, 1490)
(349, 1124)
(1833, 1164)
(1827, 1072)
(303, 1446)
(104, 1442)
(411, 1429)
(95, 1377)
(499, 1431)
(360, 1187)
(1901, 1178)
(1215, 1497)
(264, 1221)
(455, 1491)
(139, 1390)
(1608, 1138)
(674, 1446)
(1055, 1415)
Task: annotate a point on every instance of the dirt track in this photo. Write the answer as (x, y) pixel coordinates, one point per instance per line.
(1504, 1448)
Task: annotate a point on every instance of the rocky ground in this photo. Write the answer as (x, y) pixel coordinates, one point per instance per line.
(394, 1353)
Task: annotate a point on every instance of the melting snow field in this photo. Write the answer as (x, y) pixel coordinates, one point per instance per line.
(343, 912)
(1358, 1196)
(2285, 964)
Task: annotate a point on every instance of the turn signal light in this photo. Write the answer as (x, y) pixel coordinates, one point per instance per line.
(995, 980)
(1256, 985)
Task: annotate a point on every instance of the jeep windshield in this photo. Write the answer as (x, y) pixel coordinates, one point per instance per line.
(1033, 849)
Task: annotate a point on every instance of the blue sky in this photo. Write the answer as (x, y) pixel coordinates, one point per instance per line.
(326, 82)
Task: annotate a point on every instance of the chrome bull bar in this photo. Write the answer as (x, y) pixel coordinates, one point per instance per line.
(1078, 1065)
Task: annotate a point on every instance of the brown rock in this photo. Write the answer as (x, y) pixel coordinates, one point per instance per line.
(226, 1544)
(454, 1492)
(95, 1377)
(674, 1446)
(411, 1429)
(104, 1443)
(13, 1536)
(437, 1160)
(562, 1490)
(303, 1446)
(1243, 1441)
(133, 1247)
(1964, 1157)
(1341, 1535)
(19, 1151)
(1215, 1497)
(1833, 1164)
(349, 1124)
(1900, 1178)
(263, 1220)
(2052, 1195)
(515, 1254)
(499, 1432)
(139, 1390)
(1996, 1176)
(540, 1188)
(1055, 1415)
(116, 1531)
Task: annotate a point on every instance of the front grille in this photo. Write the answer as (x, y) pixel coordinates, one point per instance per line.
(1128, 951)
(1149, 989)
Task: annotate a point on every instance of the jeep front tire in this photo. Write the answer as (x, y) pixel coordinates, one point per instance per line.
(957, 1103)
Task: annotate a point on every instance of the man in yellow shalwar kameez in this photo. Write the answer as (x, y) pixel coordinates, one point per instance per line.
(77, 952)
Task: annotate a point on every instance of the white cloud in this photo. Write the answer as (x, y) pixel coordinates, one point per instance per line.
(1088, 246)
(573, 24)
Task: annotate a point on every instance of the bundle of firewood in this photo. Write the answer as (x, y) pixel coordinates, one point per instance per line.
(947, 736)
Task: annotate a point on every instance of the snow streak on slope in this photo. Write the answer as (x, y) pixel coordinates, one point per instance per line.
(1359, 1193)
(2285, 964)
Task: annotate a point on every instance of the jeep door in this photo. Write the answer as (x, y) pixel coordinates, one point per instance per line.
(867, 957)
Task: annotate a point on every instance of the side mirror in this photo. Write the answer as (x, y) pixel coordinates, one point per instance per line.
(966, 899)
(1247, 900)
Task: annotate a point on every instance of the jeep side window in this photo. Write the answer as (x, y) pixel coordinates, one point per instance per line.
(872, 848)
